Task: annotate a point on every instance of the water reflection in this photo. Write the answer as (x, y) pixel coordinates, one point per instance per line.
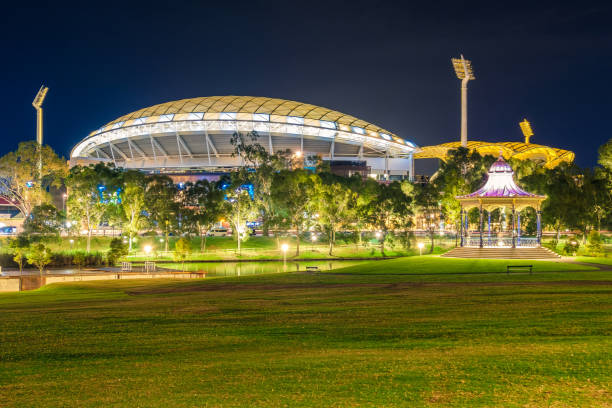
(257, 268)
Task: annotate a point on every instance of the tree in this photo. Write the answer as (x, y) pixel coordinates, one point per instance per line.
(39, 256)
(390, 210)
(182, 248)
(22, 182)
(462, 172)
(265, 165)
(44, 219)
(605, 155)
(427, 200)
(19, 247)
(117, 250)
(133, 202)
(238, 209)
(331, 200)
(292, 191)
(89, 195)
(366, 192)
(206, 200)
(161, 197)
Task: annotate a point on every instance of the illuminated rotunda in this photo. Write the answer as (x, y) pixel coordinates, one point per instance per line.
(500, 191)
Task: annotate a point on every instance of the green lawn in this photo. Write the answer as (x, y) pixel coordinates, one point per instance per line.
(368, 335)
(598, 260)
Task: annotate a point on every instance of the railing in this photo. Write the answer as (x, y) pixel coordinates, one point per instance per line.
(500, 242)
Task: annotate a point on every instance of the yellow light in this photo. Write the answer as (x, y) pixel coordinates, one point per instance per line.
(313, 238)
(148, 249)
(421, 245)
(526, 129)
(298, 153)
(460, 68)
(284, 247)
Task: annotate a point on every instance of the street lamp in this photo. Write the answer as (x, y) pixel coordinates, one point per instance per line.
(284, 248)
(420, 245)
(148, 249)
(464, 71)
(64, 196)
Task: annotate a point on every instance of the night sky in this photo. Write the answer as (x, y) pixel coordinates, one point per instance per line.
(386, 63)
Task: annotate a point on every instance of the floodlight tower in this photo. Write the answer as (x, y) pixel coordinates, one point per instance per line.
(463, 70)
(37, 104)
(526, 129)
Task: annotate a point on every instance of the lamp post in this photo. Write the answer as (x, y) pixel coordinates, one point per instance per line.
(64, 196)
(420, 245)
(147, 249)
(313, 238)
(284, 248)
(463, 70)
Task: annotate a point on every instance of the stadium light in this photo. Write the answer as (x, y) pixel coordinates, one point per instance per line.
(526, 129)
(464, 71)
(37, 104)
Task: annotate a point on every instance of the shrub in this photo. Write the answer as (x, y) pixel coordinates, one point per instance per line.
(39, 256)
(595, 244)
(571, 247)
(116, 251)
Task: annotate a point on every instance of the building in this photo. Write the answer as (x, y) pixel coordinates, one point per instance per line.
(193, 135)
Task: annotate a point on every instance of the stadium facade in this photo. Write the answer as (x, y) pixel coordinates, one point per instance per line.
(193, 135)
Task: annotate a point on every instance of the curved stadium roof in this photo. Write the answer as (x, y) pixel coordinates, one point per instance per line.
(227, 114)
(551, 156)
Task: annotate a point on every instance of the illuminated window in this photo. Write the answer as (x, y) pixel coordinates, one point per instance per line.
(327, 124)
(359, 130)
(166, 118)
(295, 120)
(227, 116)
(261, 117)
(195, 116)
(386, 136)
(118, 125)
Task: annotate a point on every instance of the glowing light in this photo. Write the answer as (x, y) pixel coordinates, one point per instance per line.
(148, 249)
(313, 238)
(420, 245)
(71, 241)
(526, 129)
(284, 247)
(378, 234)
(298, 154)
(161, 240)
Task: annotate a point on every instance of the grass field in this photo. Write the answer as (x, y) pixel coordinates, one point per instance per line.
(411, 332)
(225, 248)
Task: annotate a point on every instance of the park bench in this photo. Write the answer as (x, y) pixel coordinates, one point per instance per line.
(312, 269)
(519, 267)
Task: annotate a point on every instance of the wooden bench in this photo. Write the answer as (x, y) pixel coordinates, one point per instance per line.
(312, 269)
(508, 267)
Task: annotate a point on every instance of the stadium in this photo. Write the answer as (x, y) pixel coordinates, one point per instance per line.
(193, 135)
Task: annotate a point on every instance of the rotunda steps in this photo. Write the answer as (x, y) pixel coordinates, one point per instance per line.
(501, 253)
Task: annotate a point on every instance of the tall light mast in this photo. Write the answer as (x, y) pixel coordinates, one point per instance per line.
(37, 104)
(463, 70)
